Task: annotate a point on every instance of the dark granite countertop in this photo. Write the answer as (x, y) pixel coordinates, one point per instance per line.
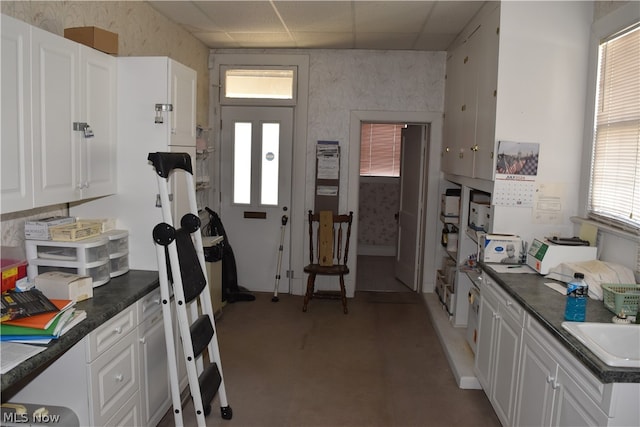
(108, 300)
(547, 306)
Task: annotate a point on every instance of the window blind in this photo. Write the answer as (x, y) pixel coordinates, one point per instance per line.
(380, 145)
(615, 171)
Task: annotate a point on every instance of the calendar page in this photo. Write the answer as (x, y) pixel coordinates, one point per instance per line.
(516, 171)
(509, 192)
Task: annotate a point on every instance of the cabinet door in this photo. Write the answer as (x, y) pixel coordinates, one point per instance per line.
(507, 358)
(183, 88)
(55, 101)
(154, 378)
(16, 182)
(453, 99)
(97, 154)
(469, 106)
(485, 346)
(487, 95)
(573, 407)
(536, 389)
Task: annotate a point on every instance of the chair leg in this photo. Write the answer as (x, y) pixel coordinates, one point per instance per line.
(310, 288)
(343, 294)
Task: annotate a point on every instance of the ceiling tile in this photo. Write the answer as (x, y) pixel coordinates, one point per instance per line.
(242, 16)
(391, 16)
(317, 16)
(311, 40)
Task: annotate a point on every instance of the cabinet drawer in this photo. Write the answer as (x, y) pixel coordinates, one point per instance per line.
(506, 302)
(113, 379)
(111, 332)
(149, 305)
(128, 415)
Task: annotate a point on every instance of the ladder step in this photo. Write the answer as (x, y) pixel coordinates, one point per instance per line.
(193, 280)
(201, 333)
(209, 381)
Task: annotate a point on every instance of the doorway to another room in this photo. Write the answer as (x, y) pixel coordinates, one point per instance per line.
(388, 206)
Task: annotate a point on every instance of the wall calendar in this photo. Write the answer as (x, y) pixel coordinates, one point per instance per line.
(516, 171)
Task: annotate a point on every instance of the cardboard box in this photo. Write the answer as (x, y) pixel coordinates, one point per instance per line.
(61, 285)
(450, 205)
(500, 248)
(39, 229)
(97, 38)
(479, 215)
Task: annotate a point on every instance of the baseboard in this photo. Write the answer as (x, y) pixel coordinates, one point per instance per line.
(376, 250)
(454, 344)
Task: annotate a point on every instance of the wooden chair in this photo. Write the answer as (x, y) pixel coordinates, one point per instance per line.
(327, 235)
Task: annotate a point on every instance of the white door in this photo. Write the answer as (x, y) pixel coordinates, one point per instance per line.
(256, 151)
(409, 250)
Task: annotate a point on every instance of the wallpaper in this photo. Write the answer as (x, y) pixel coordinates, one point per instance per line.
(379, 203)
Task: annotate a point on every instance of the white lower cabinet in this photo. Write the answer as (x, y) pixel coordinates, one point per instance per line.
(532, 380)
(498, 350)
(115, 376)
(556, 390)
(154, 380)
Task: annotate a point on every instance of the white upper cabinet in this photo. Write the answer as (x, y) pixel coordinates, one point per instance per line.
(15, 146)
(183, 96)
(56, 94)
(55, 85)
(470, 102)
(98, 97)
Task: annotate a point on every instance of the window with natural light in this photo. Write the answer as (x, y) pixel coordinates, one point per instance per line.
(242, 163)
(380, 148)
(259, 83)
(615, 170)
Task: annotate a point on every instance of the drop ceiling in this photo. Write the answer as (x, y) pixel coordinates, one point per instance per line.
(342, 24)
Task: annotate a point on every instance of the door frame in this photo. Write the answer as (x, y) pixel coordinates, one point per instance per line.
(431, 174)
(299, 155)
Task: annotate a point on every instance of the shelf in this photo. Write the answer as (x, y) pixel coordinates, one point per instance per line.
(450, 219)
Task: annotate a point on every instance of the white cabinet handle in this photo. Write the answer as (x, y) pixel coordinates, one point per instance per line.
(118, 330)
(143, 340)
(550, 378)
(119, 378)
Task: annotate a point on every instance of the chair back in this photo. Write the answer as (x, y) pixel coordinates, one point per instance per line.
(329, 237)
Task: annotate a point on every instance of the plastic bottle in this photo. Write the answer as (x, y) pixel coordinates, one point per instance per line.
(577, 296)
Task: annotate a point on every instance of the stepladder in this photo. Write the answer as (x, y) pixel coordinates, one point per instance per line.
(184, 286)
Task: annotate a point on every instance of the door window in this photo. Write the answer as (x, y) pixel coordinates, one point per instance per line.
(244, 150)
(270, 163)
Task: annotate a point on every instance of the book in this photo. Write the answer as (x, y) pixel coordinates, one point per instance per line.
(12, 329)
(44, 320)
(36, 336)
(16, 305)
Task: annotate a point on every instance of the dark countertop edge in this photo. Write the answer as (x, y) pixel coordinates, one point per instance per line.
(108, 300)
(597, 312)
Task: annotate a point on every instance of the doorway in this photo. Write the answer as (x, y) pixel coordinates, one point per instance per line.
(390, 215)
(430, 191)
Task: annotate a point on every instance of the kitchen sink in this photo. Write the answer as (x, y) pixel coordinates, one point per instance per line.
(614, 344)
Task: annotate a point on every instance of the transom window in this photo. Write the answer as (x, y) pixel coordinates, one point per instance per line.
(272, 85)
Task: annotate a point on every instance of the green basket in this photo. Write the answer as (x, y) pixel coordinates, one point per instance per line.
(621, 297)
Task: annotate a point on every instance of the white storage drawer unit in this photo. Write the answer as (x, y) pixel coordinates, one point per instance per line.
(89, 257)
